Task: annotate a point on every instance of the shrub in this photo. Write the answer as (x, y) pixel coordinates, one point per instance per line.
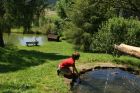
(49, 24)
(116, 31)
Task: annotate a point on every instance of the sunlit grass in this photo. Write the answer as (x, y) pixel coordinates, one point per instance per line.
(128, 60)
(33, 69)
(20, 30)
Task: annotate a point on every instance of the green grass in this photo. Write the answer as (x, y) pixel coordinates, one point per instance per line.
(33, 69)
(17, 30)
(128, 60)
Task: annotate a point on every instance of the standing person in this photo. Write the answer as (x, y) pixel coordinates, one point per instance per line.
(67, 67)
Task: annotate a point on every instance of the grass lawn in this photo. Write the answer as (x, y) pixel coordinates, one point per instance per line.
(33, 69)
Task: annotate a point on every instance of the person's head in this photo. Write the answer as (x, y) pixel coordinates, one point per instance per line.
(75, 55)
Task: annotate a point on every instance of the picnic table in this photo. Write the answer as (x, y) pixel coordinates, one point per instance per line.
(32, 43)
(53, 37)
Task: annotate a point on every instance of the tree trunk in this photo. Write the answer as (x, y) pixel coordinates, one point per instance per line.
(1, 39)
(26, 29)
(37, 19)
(130, 50)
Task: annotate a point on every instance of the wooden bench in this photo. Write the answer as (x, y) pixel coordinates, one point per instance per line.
(33, 43)
(53, 37)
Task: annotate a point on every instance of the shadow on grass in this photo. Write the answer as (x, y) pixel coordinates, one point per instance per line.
(15, 60)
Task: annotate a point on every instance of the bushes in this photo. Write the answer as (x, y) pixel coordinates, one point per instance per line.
(49, 24)
(84, 19)
(116, 31)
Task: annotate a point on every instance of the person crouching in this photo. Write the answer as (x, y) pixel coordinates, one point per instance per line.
(67, 67)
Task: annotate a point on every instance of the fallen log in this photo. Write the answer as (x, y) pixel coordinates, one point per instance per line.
(130, 50)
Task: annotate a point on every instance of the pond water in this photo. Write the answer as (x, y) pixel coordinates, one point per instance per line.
(21, 39)
(108, 81)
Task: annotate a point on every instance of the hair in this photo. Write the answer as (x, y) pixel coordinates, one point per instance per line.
(75, 55)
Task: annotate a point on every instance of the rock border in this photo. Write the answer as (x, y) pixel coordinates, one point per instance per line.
(89, 66)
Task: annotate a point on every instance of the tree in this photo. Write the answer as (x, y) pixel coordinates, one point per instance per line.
(116, 30)
(2, 22)
(63, 7)
(127, 8)
(30, 11)
(18, 13)
(85, 19)
(40, 6)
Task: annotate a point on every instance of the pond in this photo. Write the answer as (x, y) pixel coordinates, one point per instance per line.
(21, 39)
(108, 81)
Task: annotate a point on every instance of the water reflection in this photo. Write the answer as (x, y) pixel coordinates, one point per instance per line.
(108, 81)
(21, 39)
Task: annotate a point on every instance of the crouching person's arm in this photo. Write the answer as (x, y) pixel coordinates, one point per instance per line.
(75, 71)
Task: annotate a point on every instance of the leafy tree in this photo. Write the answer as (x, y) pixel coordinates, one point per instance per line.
(83, 18)
(86, 18)
(18, 13)
(31, 9)
(63, 7)
(127, 8)
(39, 9)
(116, 31)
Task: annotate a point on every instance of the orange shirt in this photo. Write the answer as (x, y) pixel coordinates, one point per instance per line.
(66, 63)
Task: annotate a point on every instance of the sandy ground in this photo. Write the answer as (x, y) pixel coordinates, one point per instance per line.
(101, 64)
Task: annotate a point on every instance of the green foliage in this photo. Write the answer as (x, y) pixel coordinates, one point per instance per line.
(15, 13)
(23, 12)
(86, 16)
(77, 36)
(116, 31)
(128, 7)
(50, 24)
(83, 21)
(63, 7)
